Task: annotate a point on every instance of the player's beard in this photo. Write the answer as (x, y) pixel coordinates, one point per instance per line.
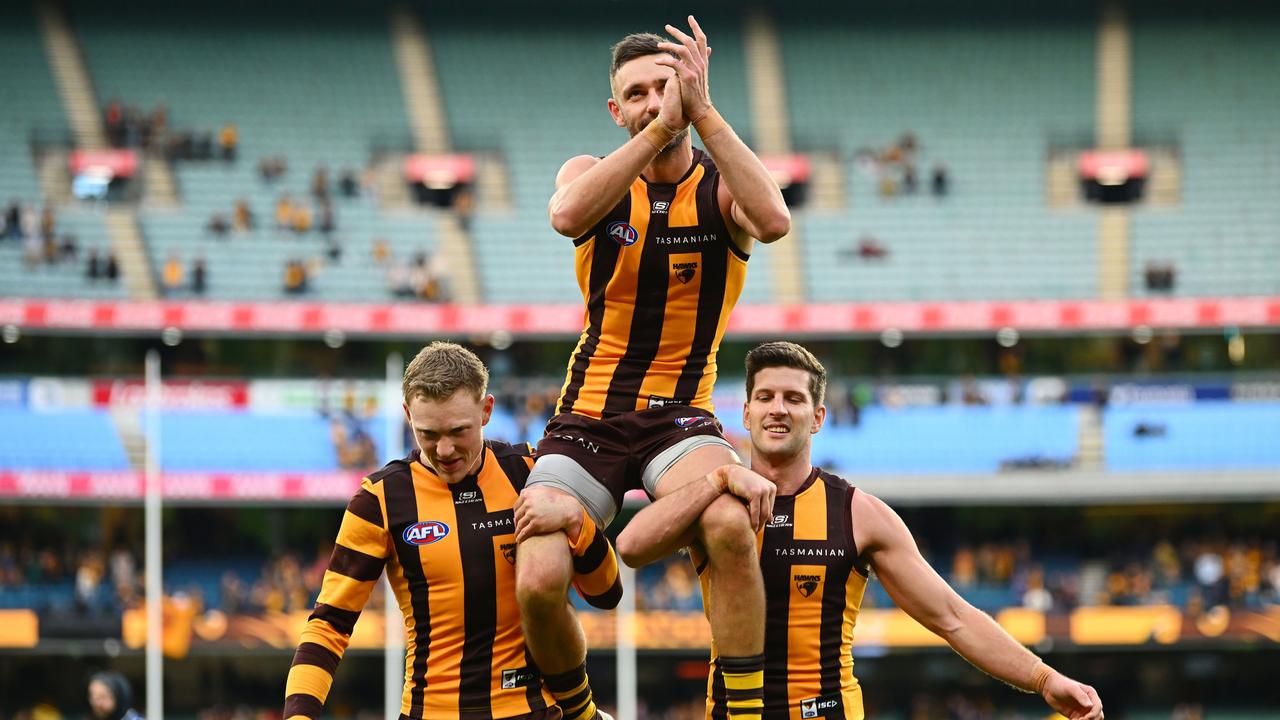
(675, 143)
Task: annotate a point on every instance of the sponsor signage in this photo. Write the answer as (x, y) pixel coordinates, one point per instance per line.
(565, 320)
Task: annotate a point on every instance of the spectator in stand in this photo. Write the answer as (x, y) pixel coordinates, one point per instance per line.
(421, 279)
(113, 119)
(333, 248)
(327, 220)
(68, 249)
(199, 276)
(399, 281)
(301, 220)
(111, 698)
(94, 268)
(271, 168)
(295, 277)
(158, 126)
(870, 248)
(111, 271)
(909, 181)
(89, 573)
(218, 225)
(320, 183)
(48, 223)
(381, 251)
(940, 180)
(32, 250)
(30, 221)
(172, 275)
(1160, 276)
(348, 183)
(49, 248)
(229, 141)
(284, 212)
(888, 187)
(243, 218)
(13, 221)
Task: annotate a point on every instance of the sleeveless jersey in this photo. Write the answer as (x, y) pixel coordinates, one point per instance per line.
(659, 275)
(813, 589)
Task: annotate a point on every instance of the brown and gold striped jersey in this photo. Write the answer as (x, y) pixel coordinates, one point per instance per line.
(659, 276)
(449, 553)
(813, 588)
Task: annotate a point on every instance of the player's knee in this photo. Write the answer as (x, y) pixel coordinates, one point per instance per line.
(542, 584)
(726, 531)
(538, 494)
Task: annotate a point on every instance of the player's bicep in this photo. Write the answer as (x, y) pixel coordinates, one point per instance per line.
(913, 584)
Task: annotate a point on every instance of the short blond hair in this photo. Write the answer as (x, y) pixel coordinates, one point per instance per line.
(441, 369)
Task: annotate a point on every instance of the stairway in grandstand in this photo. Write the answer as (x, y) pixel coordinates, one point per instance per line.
(319, 89)
(1207, 80)
(81, 104)
(431, 135)
(767, 95)
(1114, 132)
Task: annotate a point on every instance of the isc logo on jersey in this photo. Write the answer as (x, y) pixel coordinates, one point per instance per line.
(811, 707)
(622, 233)
(426, 532)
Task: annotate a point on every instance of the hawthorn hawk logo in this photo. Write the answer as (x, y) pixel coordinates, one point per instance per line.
(508, 552)
(685, 271)
(806, 584)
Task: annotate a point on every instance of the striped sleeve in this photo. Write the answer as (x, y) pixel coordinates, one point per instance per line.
(595, 567)
(359, 556)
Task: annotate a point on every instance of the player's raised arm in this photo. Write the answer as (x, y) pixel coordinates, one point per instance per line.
(885, 543)
(587, 187)
(359, 556)
(749, 196)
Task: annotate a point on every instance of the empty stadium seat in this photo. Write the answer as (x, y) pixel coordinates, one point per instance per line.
(64, 440)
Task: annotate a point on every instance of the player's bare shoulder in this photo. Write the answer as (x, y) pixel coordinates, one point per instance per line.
(573, 168)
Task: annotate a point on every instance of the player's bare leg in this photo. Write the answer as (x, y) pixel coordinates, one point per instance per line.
(544, 569)
(736, 606)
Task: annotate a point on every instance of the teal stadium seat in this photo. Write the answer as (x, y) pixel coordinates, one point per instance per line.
(985, 91)
(1206, 78)
(318, 86)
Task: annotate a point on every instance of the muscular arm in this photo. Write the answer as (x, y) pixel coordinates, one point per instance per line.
(666, 525)
(754, 201)
(359, 556)
(889, 549)
(749, 198)
(586, 187)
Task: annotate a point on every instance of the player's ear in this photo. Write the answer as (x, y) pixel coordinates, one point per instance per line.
(615, 110)
(746, 416)
(488, 409)
(819, 417)
(407, 418)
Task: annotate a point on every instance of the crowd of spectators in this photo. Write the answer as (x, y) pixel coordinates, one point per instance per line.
(895, 169)
(44, 246)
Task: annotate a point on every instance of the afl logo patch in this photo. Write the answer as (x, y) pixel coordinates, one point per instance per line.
(622, 233)
(426, 532)
(693, 421)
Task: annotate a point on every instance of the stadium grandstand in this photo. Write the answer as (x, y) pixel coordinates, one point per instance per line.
(1037, 245)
